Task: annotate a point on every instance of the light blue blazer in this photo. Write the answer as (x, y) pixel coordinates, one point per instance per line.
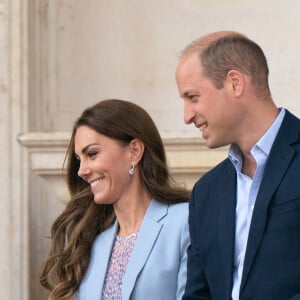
(157, 267)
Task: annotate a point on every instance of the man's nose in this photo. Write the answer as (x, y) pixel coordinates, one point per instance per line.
(188, 115)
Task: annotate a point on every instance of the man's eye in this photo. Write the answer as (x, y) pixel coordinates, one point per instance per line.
(193, 97)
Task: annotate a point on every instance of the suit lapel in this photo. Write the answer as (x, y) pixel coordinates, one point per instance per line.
(226, 222)
(147, 237)
(279, 159)
(99, 263)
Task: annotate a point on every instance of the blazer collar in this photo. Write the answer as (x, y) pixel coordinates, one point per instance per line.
(94, 281)
(226, 189)
(277, 164)
(147, 236)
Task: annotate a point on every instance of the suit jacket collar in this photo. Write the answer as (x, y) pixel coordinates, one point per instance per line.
(277, 164)
(94, 279)
(226, 221)
(147, 236)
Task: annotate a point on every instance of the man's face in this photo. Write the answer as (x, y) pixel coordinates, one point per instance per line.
(204, 105)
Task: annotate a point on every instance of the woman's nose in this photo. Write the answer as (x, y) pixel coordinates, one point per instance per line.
(84, 170)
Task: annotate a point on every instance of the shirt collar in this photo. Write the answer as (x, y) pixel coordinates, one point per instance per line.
(264, 144)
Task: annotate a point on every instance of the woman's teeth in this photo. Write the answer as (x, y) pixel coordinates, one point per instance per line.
(95, 182)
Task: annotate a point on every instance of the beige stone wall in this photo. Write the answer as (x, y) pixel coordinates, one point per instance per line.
(14, 168)
(59, 56)
(95, 49)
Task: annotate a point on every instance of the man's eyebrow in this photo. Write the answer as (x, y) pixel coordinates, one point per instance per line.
(187, 93)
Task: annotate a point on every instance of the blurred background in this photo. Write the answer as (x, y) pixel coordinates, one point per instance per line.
(59, 56)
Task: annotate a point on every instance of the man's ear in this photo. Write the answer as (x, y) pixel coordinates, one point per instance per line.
(235, 81)
(137, 150)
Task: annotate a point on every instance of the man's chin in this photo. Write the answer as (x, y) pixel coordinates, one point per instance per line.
(214, 144)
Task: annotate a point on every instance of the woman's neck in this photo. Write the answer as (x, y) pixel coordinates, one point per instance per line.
(130, 213)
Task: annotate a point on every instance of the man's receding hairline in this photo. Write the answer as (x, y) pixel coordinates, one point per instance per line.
(203, 42)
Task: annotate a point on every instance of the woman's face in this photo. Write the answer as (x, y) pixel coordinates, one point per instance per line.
(104, 164)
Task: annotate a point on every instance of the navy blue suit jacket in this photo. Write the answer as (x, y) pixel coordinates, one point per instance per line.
(272, 260)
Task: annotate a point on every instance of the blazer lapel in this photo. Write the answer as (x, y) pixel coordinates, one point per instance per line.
(99, 263)
(226, 221)
(279, 159)
(147, 236)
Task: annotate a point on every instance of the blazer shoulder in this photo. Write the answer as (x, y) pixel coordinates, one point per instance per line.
(179, 208)
(289, 130)
(217, 173)
(289, 116)
(179, 211)
(173, 218)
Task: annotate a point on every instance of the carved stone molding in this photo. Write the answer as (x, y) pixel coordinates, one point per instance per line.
(188, 157)
(46, 158)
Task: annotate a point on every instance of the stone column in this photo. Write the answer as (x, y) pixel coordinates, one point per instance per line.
(13, 162)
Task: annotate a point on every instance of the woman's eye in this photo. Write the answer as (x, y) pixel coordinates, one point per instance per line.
(92, 154)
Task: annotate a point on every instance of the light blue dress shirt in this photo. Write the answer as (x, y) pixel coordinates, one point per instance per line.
(247, 189)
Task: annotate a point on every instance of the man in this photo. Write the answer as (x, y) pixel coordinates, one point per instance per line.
(244, 213)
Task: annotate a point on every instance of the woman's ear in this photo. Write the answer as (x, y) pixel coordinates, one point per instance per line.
(137, 150)
(235, 81)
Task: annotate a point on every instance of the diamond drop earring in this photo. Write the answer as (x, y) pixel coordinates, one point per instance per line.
(131, 170)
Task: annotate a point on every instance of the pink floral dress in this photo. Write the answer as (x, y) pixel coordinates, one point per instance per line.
(121, 252)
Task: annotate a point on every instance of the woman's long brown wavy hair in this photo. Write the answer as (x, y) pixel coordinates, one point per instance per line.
(73, 232)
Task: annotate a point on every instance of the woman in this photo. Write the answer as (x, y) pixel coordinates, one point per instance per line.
(124, 233)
